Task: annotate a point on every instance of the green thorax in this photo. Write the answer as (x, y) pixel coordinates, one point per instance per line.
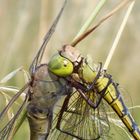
(86, 73)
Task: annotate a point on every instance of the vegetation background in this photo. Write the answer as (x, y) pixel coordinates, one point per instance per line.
(23, 24)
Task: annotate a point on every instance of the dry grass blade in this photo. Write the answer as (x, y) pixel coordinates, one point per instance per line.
(85, 34)
(118, 36)
(10, 113)
(10, 75)
(26, 75)
(91, 18)
(13, 100)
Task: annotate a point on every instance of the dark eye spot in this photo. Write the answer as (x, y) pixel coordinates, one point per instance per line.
(65, 63)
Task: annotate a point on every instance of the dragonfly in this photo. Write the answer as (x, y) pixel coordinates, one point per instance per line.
(85, 89)
(80, 109)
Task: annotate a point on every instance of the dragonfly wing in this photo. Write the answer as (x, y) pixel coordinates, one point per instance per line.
(38, 57)
(81, 121)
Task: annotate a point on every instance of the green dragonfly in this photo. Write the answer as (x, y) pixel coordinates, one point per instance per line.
(83, 112)
(86, 90)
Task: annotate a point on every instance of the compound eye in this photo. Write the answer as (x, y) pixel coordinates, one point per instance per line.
(60, 66)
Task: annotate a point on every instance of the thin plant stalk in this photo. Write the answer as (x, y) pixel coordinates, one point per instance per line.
(118, 36)
(86, 33)
(91, 18)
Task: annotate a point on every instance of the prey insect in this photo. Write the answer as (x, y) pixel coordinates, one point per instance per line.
(68, 74)
(43, 90)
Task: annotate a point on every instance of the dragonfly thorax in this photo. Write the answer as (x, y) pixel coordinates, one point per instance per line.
(47, 88)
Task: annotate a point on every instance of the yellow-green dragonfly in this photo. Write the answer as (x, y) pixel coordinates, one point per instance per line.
(83, 113)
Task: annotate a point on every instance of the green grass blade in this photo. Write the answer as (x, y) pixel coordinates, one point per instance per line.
(91, 18)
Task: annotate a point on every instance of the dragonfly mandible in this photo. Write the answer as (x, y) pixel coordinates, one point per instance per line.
(67, 71)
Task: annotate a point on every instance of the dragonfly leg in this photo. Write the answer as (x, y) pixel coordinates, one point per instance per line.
(101, 93)
(63, 109)
(89, 101)
(83, 92)
(92, 86)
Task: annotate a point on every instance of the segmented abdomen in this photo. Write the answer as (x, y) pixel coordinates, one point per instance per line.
(112, 95)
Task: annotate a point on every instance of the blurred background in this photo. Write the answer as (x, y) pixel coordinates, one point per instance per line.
(23, 25)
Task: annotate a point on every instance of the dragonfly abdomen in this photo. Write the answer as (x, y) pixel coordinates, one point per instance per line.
(108, 89)
(39, 122)
(113, 97)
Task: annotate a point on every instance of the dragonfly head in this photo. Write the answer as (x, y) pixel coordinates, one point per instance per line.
(63, 63)
(60, 66)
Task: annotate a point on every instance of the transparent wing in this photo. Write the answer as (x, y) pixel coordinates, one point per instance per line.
(76, 119)
(8, 127)
(79, 120)
(38, 57)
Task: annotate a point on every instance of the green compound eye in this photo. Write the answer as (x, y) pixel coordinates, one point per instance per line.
(60, 66)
